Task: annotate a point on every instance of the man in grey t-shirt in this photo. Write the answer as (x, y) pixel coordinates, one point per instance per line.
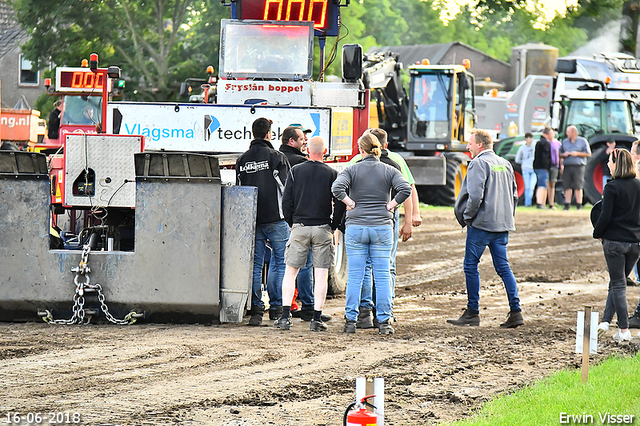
(574, 152)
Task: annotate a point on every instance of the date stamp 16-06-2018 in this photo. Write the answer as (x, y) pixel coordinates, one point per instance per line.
(42, 418)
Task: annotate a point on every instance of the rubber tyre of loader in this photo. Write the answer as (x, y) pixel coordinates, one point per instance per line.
(443, 195)
(339, 269)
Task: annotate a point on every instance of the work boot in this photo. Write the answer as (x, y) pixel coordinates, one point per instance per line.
(275, 312)
(349, 326)
(318, 326)
(634, 321)
(365, 319)
(283, 323)
(256, 316)
(467, 318)
(385, 327)
(514, 319)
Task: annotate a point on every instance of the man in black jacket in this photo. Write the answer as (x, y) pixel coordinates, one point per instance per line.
(265, 168)
(294, 139)
(308, 205)
(54, 121)
(542, 164)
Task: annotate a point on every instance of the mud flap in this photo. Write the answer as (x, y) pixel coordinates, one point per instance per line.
(238, 234)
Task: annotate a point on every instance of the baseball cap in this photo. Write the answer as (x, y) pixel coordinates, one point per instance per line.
(299, 126)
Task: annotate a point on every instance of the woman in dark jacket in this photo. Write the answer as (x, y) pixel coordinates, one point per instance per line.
(618, 227)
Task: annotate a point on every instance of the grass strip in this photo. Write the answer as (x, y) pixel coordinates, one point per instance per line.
(613, 389)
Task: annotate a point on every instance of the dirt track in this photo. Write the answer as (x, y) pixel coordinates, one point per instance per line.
(236, 375)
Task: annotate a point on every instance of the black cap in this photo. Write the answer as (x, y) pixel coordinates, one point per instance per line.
(299, 126)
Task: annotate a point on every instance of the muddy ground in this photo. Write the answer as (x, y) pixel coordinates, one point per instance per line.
(149, 374)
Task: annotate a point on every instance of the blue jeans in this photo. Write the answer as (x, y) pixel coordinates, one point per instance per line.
(368, 296)
(304, 282)
(530, 180)
(278, 234)
(477, 241)
(363, 242)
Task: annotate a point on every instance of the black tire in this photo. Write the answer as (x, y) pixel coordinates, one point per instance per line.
(443, 195)
(593, 175)
(339, 269)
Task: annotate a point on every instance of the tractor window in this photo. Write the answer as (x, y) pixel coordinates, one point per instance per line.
(618, 117)
(586, 116)
(431, 105)
(81, 110)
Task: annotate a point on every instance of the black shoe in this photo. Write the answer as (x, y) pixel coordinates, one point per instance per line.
(325, 317)
(467, 318)
(296, 313)
(275, 312)
(306, 314)
(256, 316)
(631, 283)
(318, 326)
(365, 319)
(514, 319)
(539, 206)
(634, 321)
(566, 207)
(385, 327)
(579, 207)
(349, 326)
(283, 323)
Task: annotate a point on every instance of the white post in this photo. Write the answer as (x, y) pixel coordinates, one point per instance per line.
(378, 401)
(361, 388)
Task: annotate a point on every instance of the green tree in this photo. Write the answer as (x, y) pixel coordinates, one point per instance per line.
(156, 43)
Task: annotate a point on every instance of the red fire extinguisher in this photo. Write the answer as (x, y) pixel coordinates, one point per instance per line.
(360, 416)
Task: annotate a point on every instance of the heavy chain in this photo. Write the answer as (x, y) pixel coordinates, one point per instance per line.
(79, 312)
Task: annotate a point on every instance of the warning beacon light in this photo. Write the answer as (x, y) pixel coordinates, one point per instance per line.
(93, 61)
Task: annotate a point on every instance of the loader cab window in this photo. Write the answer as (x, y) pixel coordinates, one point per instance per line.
(619, 118)
(586, 115)
(81, 110)
(431, 106)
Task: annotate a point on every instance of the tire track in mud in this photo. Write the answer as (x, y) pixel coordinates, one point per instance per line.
(236, 375)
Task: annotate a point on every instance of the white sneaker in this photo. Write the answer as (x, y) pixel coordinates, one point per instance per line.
(622, 336)
(603, 327)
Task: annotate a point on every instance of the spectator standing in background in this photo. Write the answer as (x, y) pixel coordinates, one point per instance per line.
(54, 120)
(542, 165)
(553, 172)
(524, 157)
(606, 173)
(574, 151)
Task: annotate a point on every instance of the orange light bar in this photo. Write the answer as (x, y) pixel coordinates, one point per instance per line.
(466, 64)
(425, 61)
(210, 69)
(85, 63)
(607, 80)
